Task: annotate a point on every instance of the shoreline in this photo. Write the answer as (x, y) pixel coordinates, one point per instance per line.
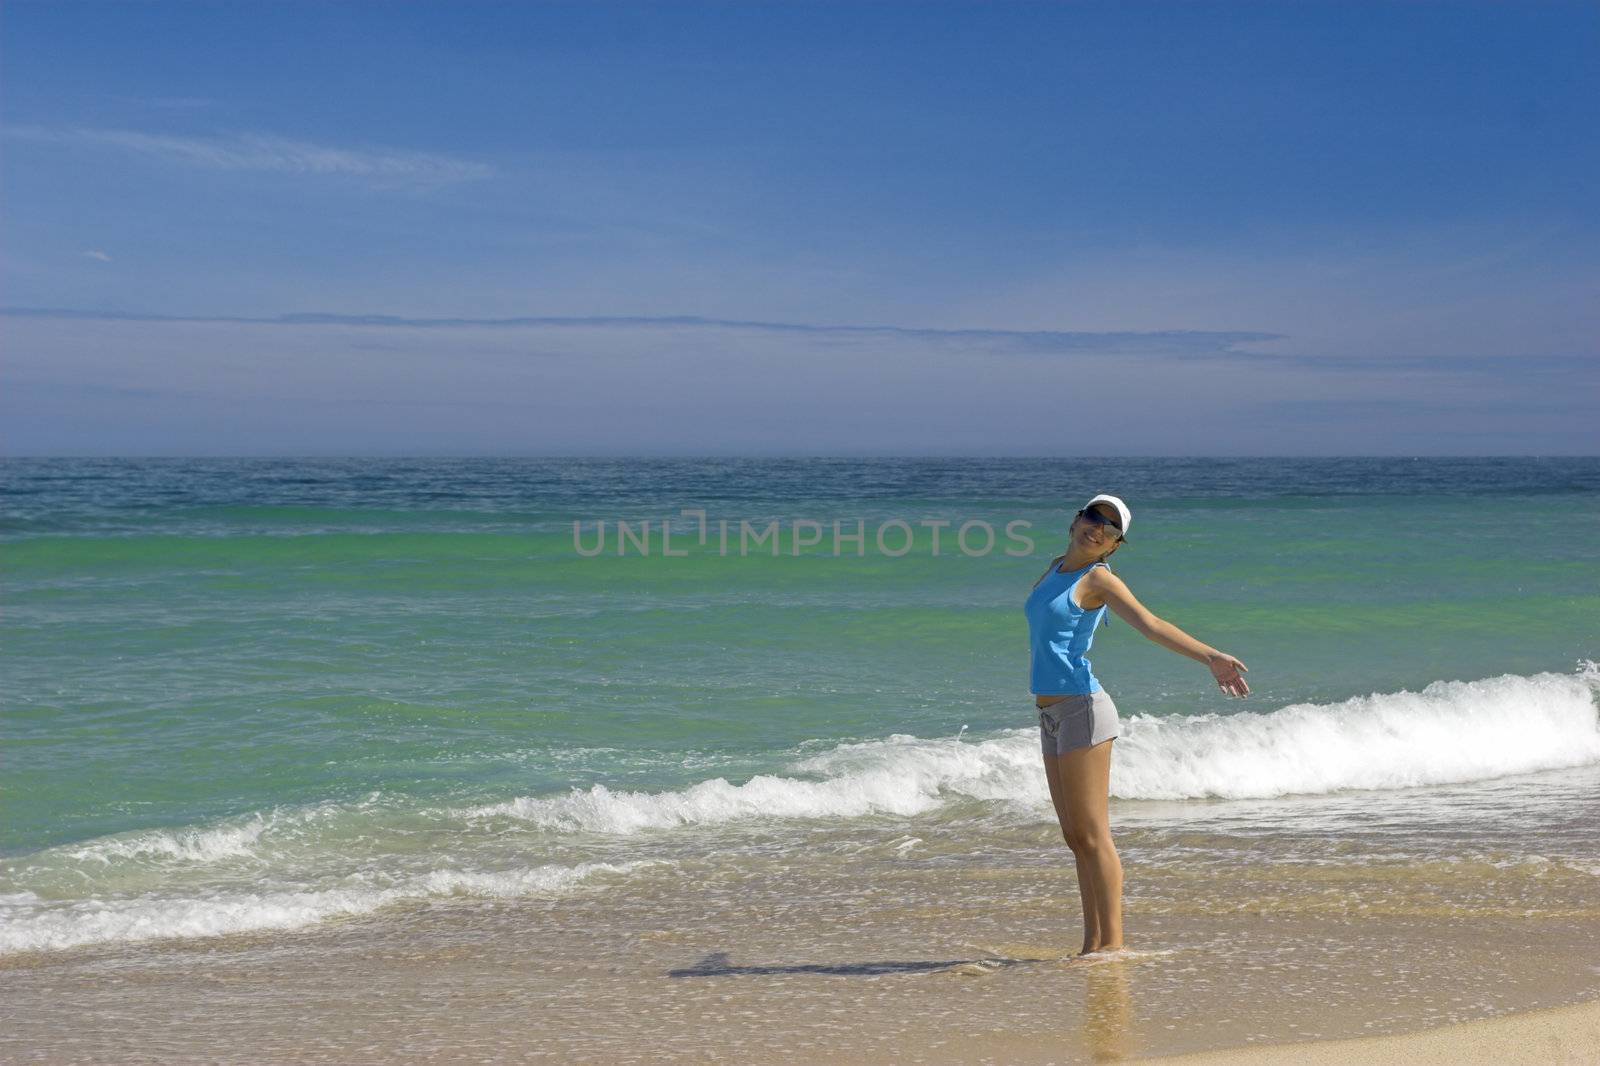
(862, 967)
(1553, 1036)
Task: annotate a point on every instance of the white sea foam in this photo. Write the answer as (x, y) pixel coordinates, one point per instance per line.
(900, 775)
(30, 923)
(1450, 732)
(291, 867)
(235, 838)
(195, 845)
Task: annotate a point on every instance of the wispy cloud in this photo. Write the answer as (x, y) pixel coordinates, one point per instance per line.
(267, 153)
(95, 253)
(1170, 342)
(548, 384)
(1174, 346)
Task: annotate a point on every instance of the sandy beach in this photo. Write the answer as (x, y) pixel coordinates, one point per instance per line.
(1569, 1035)
(1566, 1036)
(833, 958)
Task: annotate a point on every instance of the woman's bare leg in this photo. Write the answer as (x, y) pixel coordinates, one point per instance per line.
(1091, 909)
(1084, 781)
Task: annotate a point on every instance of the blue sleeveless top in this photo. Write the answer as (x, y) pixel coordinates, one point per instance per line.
(1059, 634)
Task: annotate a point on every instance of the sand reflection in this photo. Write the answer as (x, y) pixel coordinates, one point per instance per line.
(1108, 1010)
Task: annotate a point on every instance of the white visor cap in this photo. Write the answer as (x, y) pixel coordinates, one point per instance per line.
(1125, 515)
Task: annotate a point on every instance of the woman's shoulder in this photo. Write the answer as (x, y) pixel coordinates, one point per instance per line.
(1099, 576)
(1093, 583)
(1098, 571)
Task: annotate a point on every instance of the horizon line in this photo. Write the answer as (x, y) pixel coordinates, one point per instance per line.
(795, 456)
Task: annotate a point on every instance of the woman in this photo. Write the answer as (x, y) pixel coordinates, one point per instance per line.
(1077, 719)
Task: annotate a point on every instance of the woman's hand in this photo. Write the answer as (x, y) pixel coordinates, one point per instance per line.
(1226, 669)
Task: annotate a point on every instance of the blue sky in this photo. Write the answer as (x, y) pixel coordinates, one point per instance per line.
(760, 229)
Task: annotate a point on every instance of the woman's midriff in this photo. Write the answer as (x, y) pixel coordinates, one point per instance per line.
(1044, 701)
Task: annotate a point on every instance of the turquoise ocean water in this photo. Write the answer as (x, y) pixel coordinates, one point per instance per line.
(259, 695)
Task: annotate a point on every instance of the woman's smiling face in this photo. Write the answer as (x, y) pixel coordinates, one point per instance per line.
(1096, 534)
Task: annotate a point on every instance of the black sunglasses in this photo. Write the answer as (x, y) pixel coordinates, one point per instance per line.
(1101, 520)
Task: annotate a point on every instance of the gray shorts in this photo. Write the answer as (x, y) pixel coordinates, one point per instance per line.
(1078, 722)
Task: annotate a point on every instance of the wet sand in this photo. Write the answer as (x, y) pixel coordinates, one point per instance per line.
(823, 958)
(1564, 1036)
(1568, 1036)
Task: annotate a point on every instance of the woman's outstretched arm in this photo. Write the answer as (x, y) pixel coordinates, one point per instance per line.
(1225, 668)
